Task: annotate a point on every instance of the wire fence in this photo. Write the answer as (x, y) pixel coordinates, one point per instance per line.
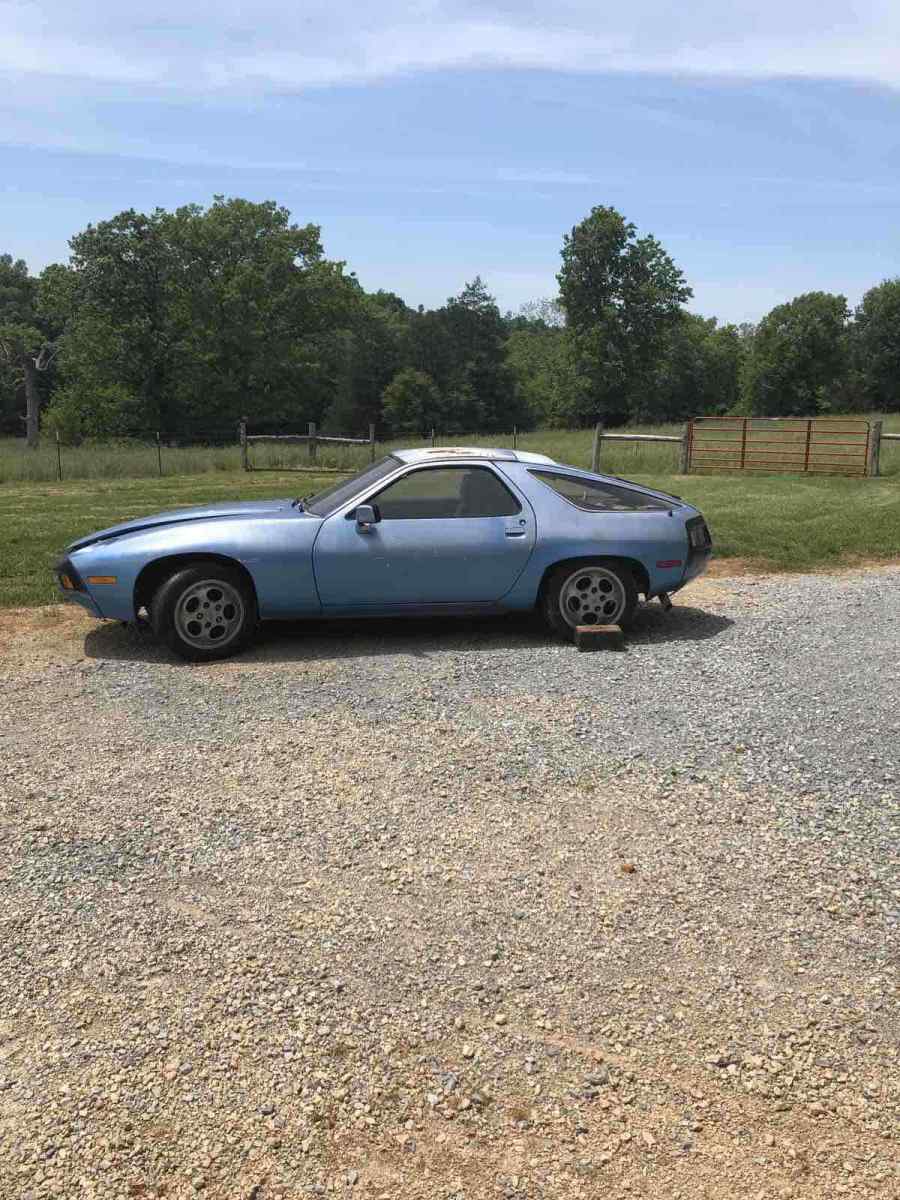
(136, 455)
(149, 453)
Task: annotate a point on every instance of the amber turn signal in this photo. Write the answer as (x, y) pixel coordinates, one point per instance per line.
(101, 578)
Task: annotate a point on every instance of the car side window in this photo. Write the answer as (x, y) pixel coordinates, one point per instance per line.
(595, 495)
(440, 492)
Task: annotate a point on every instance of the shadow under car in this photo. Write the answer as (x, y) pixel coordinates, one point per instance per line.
(300, 641)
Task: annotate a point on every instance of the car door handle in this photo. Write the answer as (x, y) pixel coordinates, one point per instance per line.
(515, 533)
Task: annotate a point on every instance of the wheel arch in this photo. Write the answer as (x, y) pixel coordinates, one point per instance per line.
(153, 574)
(636, 567)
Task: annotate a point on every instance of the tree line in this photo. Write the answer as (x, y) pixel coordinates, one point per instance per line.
(185, 321)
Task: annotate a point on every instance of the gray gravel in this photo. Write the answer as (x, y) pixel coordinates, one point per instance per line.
(405, 909)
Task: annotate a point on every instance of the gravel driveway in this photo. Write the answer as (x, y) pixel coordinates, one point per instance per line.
(448, 910)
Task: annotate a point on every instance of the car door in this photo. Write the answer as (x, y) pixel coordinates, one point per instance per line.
(444, 535)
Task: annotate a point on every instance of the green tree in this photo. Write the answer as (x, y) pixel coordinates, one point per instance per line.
(373, 350)
(12, 399)
(480, 393)
(185, 321)
(545, 311)
(26, 341)
(90, 399)
(431, 349)
(621, 294)
(256, 309)
(411, 402)
(553, 391)
(698, 373)
(876, 345)
(798, 362)
(121, 332)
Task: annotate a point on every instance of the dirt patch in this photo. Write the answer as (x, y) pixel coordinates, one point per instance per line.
(728, 568)
(32, 638)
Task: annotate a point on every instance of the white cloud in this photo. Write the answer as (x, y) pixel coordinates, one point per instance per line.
(34, 55)
(201, 45)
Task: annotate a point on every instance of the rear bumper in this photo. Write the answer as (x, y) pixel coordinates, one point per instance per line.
(698, 554)
(696, 565)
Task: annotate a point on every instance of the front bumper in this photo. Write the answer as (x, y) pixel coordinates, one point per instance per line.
(72, 588)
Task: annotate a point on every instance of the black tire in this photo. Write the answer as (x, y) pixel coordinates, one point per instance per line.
(199, 599)
(615, 606)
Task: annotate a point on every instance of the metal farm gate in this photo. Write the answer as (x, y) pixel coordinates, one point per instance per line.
(814, 445)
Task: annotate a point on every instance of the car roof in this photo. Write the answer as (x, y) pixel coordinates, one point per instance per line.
(448, 453)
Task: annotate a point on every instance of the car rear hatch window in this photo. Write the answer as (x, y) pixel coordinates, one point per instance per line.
(596, 495)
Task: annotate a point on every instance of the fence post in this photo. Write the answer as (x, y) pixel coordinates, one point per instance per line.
(159, 453)
(242, 433)
(312, 441)
(371, 443)
(595, 452)
(687, 438)
(58, 459)
(432, 437)
(874, 463)
(515, 437)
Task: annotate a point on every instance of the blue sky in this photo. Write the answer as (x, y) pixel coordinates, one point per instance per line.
(438, 139)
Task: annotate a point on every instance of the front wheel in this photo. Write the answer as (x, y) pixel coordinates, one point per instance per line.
(204, 612)
(593, 592)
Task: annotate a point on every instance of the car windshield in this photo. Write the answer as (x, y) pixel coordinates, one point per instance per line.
(324, 503)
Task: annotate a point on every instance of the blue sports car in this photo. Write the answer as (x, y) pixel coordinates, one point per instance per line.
(430, 531)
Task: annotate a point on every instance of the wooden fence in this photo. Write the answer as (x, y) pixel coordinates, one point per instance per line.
(879, 436)
(814, 445)
(600, 437)
(802, 445)
(805, 445)
(312, 439)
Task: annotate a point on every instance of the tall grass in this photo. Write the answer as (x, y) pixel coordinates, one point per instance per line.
(139, 460)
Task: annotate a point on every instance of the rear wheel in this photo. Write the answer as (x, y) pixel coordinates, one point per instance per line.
(591, 592)
(204, 612)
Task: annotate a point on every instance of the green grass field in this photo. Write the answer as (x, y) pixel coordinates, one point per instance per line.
(780, 523)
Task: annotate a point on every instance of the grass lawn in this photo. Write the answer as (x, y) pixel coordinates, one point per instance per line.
(781, 523)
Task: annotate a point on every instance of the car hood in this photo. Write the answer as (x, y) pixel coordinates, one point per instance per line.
(246, 509)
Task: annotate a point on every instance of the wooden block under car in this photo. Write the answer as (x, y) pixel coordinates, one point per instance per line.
(599, 637)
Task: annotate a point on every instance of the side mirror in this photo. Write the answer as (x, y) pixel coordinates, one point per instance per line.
(367, 515)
